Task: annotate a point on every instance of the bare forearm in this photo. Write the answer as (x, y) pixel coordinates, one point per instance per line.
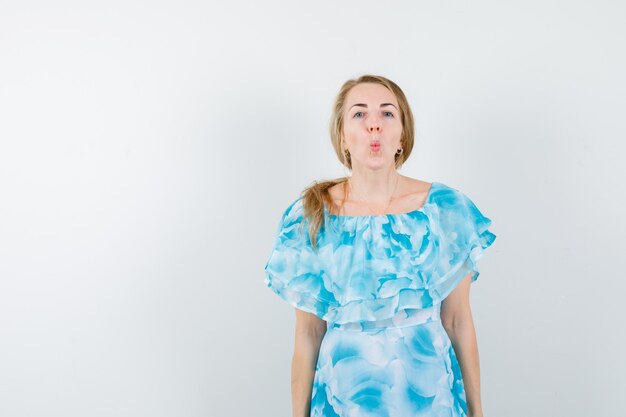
(303, 363)
(463, 337)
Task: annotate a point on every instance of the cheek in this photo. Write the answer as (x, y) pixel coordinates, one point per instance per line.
(351, 129)
(395, 127)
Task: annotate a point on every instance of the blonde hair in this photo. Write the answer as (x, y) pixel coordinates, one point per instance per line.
(316, 195)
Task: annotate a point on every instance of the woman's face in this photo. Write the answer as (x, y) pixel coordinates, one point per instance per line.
(372, 127)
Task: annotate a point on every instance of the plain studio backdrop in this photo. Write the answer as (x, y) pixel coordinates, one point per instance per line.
(148, 150)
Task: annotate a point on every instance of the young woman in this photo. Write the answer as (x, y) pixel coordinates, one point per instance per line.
(378, 267)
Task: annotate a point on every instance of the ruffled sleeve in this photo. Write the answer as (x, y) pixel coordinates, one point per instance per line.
(464, 236)
(294, 270)
(480, 237)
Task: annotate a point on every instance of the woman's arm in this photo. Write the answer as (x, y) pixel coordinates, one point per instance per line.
(310, 331)
(456, 317)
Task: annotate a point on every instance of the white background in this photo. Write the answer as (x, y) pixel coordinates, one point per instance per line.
(148, 149)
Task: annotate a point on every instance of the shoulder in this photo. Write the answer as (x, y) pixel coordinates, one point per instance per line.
(293, 211)
(414, 191)
(447, 196)
(458, 211)
(291, 225)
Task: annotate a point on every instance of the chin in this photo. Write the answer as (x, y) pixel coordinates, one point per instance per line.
(377, 162)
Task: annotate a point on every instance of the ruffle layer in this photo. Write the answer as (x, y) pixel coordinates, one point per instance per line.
(368, 268)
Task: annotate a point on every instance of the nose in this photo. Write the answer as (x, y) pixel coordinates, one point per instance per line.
(373, 124)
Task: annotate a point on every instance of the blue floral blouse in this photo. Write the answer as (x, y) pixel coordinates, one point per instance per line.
(368, 268)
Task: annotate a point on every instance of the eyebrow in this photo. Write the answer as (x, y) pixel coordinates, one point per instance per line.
(365, 105)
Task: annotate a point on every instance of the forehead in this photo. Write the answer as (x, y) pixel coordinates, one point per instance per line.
(371, 94)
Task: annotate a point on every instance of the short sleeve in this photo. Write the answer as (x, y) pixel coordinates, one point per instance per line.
(465, 237)
(294, 270)
(479, 236)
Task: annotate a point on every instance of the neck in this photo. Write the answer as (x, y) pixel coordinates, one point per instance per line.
(374, 186)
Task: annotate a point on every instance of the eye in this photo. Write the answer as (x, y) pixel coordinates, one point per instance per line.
(389, 113)
(357, 114)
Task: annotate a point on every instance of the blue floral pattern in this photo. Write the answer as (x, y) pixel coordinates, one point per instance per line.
(379, 282)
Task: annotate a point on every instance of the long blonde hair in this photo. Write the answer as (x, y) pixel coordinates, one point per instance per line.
(316, 195)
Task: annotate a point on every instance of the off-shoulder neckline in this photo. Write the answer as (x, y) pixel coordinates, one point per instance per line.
(380, 216)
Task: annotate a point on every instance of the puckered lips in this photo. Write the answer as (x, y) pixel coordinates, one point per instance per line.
(375, 146)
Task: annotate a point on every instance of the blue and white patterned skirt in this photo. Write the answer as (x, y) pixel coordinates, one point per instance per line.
(398, 367)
